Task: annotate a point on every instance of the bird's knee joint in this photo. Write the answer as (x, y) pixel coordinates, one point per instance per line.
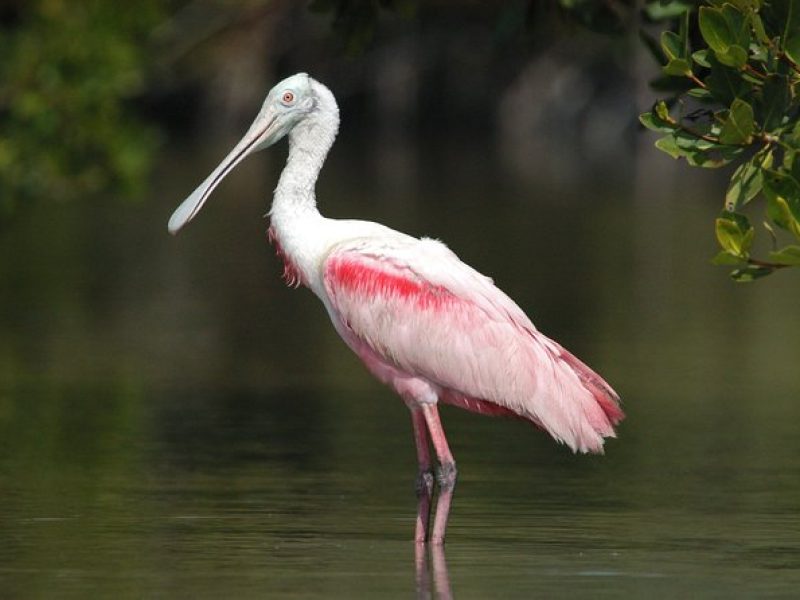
(424, 483)
(446, 475)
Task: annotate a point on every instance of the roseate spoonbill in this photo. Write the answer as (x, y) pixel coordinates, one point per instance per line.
(423, 322)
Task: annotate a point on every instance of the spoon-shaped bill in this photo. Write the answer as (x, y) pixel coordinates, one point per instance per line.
(262, 133)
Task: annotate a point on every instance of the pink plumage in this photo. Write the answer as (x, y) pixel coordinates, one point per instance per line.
(467, 342)
(422, 321)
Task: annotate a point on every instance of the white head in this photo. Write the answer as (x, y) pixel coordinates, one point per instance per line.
(294, 101)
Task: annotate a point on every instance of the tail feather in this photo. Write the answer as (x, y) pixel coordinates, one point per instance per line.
(585, 429)
(603, 393)
(587, 411)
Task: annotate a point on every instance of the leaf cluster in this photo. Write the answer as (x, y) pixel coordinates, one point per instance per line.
(66, 70)
(735, 67)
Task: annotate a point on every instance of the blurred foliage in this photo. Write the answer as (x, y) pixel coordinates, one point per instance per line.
(355, 21)
(66, 70)
(734, 68)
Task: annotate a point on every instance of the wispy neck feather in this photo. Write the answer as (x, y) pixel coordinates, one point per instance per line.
(309, 143)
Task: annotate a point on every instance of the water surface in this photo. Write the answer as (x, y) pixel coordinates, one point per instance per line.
(176, 423)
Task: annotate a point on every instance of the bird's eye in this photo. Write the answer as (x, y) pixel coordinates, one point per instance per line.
(287, 98)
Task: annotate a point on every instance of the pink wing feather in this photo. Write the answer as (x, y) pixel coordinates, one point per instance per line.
(426, 314)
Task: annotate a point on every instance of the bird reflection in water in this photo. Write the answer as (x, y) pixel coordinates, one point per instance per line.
(436, 571)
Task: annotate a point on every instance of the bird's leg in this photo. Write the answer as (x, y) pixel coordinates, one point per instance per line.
(424, 482)
(446, 474)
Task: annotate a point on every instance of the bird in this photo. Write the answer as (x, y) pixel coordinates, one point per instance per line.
(423, 322)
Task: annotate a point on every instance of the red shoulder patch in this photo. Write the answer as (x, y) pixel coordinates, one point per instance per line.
(372, 278)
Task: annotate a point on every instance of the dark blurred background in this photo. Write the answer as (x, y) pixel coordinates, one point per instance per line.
(112, 114)
(173, 418)
(92, 90)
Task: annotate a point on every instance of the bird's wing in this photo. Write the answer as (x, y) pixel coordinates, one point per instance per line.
(422, 310)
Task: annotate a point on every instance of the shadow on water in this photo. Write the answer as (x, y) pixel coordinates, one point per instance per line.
(174, 422)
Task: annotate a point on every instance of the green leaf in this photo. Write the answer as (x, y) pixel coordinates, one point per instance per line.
(714, 29)
(778, 211)
(738, 127)
(737, 24)
(683, 34)
(734, 56)
(727, 33)
(700, 94)
(672, 45)
(712, 159)
(789, 217)
(752, 79)
(677, 67)
(697, 151)
(661, 110)
(749, 274)
(654, 123)
(747, 242)
(758, 27)
(701, 58)
(734, 233)
(667, 144)
(746, 182)
(725, 258)
(687, 141)
(789, 255)
(783, 201)
(729, 235)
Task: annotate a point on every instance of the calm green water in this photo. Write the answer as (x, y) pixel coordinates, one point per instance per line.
(176, 423)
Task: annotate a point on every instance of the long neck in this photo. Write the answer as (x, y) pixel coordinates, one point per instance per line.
(296, 227)
(309, 143)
